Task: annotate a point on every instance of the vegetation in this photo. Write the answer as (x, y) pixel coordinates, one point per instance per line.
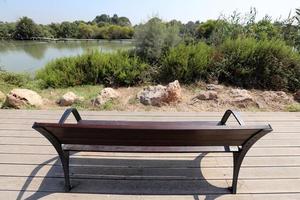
(102, 27)
(266, 64)
(187, 63)
(236, 50)
(293, 107)
(154, 38)
(114, 69)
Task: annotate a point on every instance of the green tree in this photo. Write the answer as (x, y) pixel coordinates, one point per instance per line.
(86, 31)
(102, 19)
(68, 30)
(153, 37)
(26, 29)
(124, 21)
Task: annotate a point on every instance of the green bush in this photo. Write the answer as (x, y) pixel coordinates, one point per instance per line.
(187, 63)
(265, 64)
(14, 78)
(92, 68)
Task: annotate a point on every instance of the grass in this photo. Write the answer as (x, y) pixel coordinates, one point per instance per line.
(293, 107)
(87, 92)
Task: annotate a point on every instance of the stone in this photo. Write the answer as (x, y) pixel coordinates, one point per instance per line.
(297, 96)
(105, 95)
(173, 92)
(159, 95)
(278, 96)
(240, 96)
(152, 95)
(214, 87)
(2, 96)
(69, 99)
(207, 95)
(18, 98)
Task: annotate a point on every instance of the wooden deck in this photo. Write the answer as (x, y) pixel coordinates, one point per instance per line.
(29, 168)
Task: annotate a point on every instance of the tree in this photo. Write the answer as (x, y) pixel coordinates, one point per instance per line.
(153, 38)
(68, 30)
(85, 31)
(114, 19)
(124, 21)
(102, 19)
(26, 29)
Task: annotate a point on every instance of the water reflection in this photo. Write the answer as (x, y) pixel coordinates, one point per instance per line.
(20, 56)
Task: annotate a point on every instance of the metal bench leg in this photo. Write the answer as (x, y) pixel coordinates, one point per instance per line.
(63, 155)
(237, 162)
(65, 163)
(239, 156)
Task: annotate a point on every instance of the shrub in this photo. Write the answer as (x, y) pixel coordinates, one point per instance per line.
(265, 64)
(94, 68)
(187, 63)
(14, 78)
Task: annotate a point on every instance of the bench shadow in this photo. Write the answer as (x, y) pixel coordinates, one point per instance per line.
(127, 176)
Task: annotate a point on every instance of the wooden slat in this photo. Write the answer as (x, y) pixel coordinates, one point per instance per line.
(29, 165)
(80, 196)
(49, 150)
(134, 173)
(162, 187)
(287, 161)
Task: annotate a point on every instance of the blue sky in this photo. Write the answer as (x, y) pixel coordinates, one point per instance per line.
(46, 11)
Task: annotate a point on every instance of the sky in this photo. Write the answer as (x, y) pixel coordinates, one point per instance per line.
(47, 11)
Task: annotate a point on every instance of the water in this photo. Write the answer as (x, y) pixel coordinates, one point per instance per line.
(28, 56)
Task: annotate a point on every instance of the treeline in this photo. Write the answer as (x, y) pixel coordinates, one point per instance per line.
(102, 27)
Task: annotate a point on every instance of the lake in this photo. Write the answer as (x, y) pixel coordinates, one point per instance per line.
(28, 56)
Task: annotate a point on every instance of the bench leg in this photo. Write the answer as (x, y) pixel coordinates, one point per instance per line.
(63, 155)
(65, 164)
(237, 162)
(239, 156)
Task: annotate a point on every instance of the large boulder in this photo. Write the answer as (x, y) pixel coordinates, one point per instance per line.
(207, 95)
(159, 95)
(69, 99)
(105, 95)
(173, 91)
(18, 98)
(2, 96)
(152, 95)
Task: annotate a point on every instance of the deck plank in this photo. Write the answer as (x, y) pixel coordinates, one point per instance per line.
(29, 167)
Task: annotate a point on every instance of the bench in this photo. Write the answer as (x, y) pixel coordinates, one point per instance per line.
(152, 136)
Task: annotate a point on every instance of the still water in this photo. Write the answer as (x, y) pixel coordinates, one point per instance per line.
(28, 56)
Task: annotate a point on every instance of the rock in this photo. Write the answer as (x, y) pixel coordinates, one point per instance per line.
(105, 95)
(240, 96)
(207, 95)
(278, 96)
(69, 99)
(159, 95)
(297, 96)
(214, 87)
(23, 97)
(2, 96)
(173, 92)
(152, 95)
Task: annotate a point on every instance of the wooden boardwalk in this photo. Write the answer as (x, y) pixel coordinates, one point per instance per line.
(29, 168)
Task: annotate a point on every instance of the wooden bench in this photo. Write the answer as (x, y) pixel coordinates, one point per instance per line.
(152, 136)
